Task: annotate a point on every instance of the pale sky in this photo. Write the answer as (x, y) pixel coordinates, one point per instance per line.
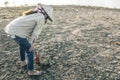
(49, 2)
(104, 3)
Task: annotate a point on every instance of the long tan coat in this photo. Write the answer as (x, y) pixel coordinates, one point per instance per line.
(26, 26)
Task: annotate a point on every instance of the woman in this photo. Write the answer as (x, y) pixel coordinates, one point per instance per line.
(25, 30)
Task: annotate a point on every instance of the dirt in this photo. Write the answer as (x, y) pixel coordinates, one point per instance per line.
(79, 44)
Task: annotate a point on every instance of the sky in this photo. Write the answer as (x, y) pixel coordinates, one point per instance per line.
(48, 2)
(102, 3)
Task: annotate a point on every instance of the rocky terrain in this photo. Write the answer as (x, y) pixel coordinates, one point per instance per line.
(79, 44)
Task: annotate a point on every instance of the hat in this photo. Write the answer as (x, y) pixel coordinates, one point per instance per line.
(48, 10)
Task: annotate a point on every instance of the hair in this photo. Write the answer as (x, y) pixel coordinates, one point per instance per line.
(28, 12)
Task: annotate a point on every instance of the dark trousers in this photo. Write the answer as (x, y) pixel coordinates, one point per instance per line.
(24, 47)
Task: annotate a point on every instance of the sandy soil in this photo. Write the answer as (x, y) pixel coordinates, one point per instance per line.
(78, 43)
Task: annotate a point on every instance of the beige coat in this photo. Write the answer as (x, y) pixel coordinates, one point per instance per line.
(26, 26)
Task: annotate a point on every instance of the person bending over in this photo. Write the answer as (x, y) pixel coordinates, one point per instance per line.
(25, 30)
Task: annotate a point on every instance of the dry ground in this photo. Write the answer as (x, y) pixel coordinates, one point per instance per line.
(78, 43)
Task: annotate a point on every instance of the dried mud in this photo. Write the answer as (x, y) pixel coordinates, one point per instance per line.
(78, 43)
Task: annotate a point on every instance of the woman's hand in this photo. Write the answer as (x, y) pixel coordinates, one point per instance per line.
(31, 48)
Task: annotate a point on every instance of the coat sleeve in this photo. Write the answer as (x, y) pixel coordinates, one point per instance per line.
(37, 29)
